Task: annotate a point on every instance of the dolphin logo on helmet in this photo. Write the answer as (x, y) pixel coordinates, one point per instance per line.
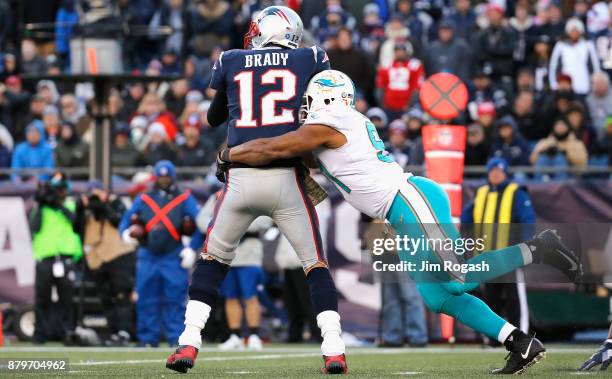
(329, 88)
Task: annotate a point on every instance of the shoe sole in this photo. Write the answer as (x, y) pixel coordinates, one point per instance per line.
(536, 359)
(180, 365)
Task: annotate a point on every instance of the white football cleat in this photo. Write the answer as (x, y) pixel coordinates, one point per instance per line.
(254, 342)
(233, 343)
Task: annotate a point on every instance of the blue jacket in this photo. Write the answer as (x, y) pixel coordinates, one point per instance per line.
(517, 151)
(159, 240)
(38, 156)
(65, 20)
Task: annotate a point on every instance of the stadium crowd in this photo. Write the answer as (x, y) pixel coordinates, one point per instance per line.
(538, 75)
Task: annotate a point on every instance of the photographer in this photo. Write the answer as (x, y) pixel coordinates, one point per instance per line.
(112, 266)
(56, 248)
(561, 150)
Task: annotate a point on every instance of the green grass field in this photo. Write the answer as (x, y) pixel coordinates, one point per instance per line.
(303, 361)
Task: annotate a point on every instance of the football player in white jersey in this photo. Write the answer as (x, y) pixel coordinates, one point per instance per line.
(349, 152)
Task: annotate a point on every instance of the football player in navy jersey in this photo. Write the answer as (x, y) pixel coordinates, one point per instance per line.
(259, 91)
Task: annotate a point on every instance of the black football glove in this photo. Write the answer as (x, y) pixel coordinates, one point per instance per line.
(223, 164)
(601, 357)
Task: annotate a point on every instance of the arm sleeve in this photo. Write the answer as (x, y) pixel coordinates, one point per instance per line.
(467, 214)
(552, 67)
(218, 111)
(217, 80)
(524, 214)
(322, 60)
(134, 209)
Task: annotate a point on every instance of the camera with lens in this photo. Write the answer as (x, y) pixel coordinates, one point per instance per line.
(48, 194)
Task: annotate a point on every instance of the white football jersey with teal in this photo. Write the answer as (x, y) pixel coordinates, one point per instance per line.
(366, 175)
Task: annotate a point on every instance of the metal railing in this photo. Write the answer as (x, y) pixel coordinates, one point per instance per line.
(204, 170)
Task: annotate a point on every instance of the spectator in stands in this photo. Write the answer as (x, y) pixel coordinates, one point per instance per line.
(18, 101)
(211, 24)
(417, 21)
(354, 62)
(8, 65)
(154, 109)
(509, 144)
(31, 62)
(494, 46)
(561, 149)
(34, 152)
(527, 117)
(599, 102)
(577, 118)
(448, 53)
(463, 18)
(170, 63)
(414, 120)
(399, 145)
(550, 20)
(71, 151)
(132, 97)
(67, 17)
(484, 90)
(538, 62)
(73, 111)
(396, 33)
(400, 81)
(158, 147)
(575, 57)
(195, 151)
(331, 20)
(194, 73)
(175, 97)
(172, 14)
(48, 90)
(192, 101)
(372, 30)
(605, 144)
(485, 116)
(380, 120)
(123, 151)
(52, 123)
(476, 149)
(138, 132)
(525, 31)
(216, 135)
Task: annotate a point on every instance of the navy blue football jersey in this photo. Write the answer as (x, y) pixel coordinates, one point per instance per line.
(264, 89)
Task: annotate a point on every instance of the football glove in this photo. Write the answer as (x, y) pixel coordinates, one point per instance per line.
(223, 164)
(188, 257)
(601, 357)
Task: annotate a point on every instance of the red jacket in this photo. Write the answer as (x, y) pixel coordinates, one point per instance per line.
(399, 81)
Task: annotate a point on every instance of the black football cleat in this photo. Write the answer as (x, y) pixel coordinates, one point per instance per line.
(548, 248)
(182, 359)
(525, 351)
(335, 364)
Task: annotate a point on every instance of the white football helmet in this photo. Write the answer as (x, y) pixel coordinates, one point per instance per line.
(275, 25)
(328, 88)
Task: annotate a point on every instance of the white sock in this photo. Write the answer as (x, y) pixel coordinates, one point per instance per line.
(196, 315)
(505, 332)
(329, 323)
(527, 254)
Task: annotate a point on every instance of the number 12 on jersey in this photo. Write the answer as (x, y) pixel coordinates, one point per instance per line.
(267, 107)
